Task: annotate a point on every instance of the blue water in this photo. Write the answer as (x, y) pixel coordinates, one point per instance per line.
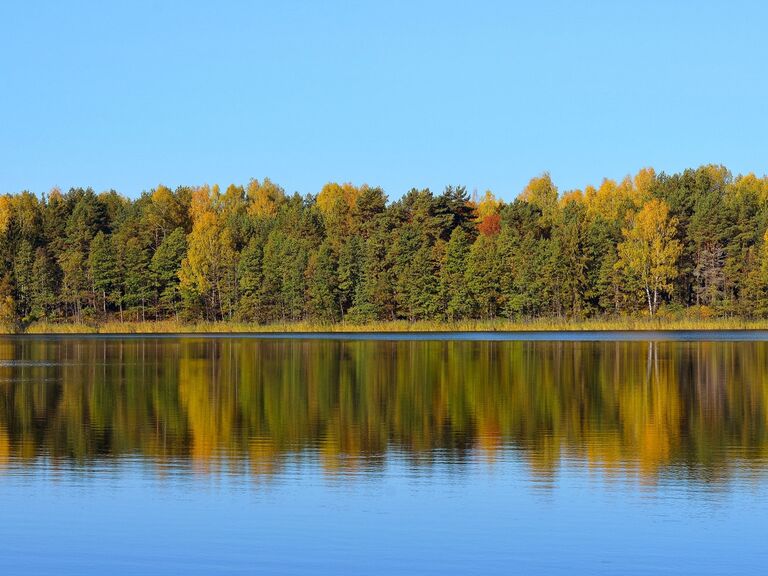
(137, 472)
(126, 517)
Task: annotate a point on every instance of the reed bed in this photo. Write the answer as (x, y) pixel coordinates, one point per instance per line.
(499, 325)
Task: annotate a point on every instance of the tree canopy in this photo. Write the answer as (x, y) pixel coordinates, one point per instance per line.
(648, 243)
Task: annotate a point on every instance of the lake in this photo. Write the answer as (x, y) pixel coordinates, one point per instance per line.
(539, 453)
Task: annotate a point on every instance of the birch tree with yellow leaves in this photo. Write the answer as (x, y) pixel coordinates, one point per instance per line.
(650, 251)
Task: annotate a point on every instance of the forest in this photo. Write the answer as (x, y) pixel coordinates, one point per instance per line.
(651, 245)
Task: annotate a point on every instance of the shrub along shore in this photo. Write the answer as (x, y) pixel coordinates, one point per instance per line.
(595, 324)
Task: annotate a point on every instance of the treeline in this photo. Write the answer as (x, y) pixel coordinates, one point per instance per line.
(648, 244)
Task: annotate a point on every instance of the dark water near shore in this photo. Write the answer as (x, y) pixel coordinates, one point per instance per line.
(635, 454)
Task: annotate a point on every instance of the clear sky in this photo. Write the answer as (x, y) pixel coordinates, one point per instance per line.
(127, 95)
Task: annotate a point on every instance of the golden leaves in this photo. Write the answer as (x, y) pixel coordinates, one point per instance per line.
(650, 251)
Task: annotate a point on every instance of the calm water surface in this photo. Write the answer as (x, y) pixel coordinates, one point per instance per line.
(197, 455)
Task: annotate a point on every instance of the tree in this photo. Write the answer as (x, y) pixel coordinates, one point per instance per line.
(482, 277)
(414, 267)
(284, 265)
(165, 212)
(45, 278)
(264, 199)
(707, 233)
(293, 290)
(137, 281)
(524, 256)
(55, 215)
(649, 250)
(23, 265)
(337, 204)
(488, 214)
(453, 286)
(250, 279)
(73, 282)
(572, 259)
(367, 213)
(692, 239)
(8, 316)
(423, 290)
(542, 193)
(269, 291)
(208, 273)
(453, 209)
(374, 297)
(104, 271)
(322, 284)
(89, 216)
(164, 267)
(27, 218)
(746, 207)
(349, 272)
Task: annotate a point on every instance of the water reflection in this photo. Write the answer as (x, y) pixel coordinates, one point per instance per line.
(693, 410)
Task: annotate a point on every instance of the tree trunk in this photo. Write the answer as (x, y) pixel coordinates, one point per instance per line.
(650, 302)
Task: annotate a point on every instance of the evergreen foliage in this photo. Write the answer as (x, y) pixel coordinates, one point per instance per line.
(650, 243)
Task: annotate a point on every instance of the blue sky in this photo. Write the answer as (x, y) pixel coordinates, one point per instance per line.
(127, 95)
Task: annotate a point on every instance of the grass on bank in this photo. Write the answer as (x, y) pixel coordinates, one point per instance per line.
(499, 325)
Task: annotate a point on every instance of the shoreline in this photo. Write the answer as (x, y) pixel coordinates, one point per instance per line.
(628, 325)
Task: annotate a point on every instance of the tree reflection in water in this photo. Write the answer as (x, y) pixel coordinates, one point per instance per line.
(691, 408)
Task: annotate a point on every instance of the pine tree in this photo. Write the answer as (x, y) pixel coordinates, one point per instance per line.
(137, 281)
(73, 282)
(453, 286)
(571, 259)
(270, 292)
(422, 284)
(294, 284)
(104, 271)
(23, 265)
(45, 278)
(524, 261)
(250, 278)
(375, 294)
(408, 277)
(164, 267)
(322, 285)
(349, 272)
(482, 277)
